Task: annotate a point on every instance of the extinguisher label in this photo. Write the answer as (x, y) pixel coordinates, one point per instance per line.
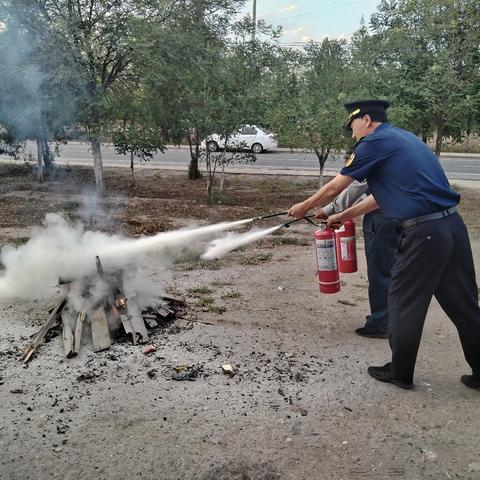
(326, 258)
(347, 248)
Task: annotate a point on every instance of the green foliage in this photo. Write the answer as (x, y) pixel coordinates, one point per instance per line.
(141, 72)
(8, 144)
(309, 90)
(424, 56)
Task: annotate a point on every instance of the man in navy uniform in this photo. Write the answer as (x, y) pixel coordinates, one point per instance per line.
(433, 256)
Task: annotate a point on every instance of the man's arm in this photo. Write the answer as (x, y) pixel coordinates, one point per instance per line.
(365, 206)
(327, 193)
(355, 192)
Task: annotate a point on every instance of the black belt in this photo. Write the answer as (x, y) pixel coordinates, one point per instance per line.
(427, 218)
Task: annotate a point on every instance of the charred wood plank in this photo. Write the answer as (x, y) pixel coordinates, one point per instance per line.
(136, 320)
(150, 320)
(63, 290)
(173, 299)
(128, 327)
(68, 339)
(100, 334)
(78, 331)
(52, 321)
(164, 311)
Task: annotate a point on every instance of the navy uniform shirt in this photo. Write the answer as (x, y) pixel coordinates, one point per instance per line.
(404, 176)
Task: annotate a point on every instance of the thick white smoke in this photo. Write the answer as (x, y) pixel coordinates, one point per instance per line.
(221, 246)
(59, 249)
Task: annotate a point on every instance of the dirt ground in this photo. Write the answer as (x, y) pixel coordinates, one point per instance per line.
(301, 405)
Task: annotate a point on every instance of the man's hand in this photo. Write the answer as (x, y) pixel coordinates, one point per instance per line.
(298, 210)
(321, 215)
(335, 221)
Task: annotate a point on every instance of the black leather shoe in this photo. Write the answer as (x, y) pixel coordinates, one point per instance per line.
(471, 381)
(382, 374)
(370, 332)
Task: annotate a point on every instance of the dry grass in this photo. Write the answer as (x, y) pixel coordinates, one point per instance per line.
(470, 210)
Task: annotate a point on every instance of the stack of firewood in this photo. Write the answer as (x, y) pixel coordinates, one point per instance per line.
(112, 309)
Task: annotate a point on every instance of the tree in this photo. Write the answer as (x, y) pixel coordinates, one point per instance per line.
(97, 38)
(425, 57)
(240, 95)
(182, 71)
(133, 129)
(307, 105)
(35, 99)
(8, 144)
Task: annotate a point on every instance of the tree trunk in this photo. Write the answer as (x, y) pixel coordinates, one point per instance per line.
(210, 174)
(39, 160)
(98, 166)
(132, 156)
(47, 159)
(320, 176)
(222, 176)
(193, 171)
(440, 123)
(321, 163)
(209, 187)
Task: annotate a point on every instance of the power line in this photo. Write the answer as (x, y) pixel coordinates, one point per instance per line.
(267, 9)
(317, 11)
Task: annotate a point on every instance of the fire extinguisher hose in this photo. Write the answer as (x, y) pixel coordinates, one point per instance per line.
(263, 217)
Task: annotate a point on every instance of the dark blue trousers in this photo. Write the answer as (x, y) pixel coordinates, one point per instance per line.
(380, 242)
(433, 259)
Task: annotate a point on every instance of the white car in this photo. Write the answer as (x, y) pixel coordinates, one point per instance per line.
(249, 137)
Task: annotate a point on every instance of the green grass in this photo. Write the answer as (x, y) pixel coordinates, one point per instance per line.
(217, 309)
(208, 302)
(303, 242)
(218, 284)
(223, 198)
(188, 260)
(256, 259)
(231, 295)
(14, 242)
(202, 290)
(70, 205)
(205, 301)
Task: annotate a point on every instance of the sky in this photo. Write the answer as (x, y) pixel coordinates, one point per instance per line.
(305, 20)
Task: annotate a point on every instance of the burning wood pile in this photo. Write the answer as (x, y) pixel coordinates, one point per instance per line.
(106, 315)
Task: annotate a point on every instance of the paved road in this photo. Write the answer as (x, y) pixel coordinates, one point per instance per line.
(457, 166)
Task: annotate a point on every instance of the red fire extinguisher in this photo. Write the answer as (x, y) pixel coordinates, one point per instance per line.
(327, 271)
(346, 247)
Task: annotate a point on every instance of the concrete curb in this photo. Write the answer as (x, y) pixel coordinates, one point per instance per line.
(300, 150)
(245, 170)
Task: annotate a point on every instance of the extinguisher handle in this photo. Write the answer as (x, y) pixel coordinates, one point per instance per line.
(308, 219)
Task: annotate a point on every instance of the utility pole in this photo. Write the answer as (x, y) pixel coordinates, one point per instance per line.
(254, 17)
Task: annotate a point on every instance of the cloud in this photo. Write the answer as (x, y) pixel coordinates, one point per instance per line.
(293, 33)
(289, 8)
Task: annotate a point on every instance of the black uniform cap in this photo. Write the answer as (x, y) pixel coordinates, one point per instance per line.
(358, 108)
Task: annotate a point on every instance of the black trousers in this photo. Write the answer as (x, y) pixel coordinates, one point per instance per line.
(432, 258)
(380, 241)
